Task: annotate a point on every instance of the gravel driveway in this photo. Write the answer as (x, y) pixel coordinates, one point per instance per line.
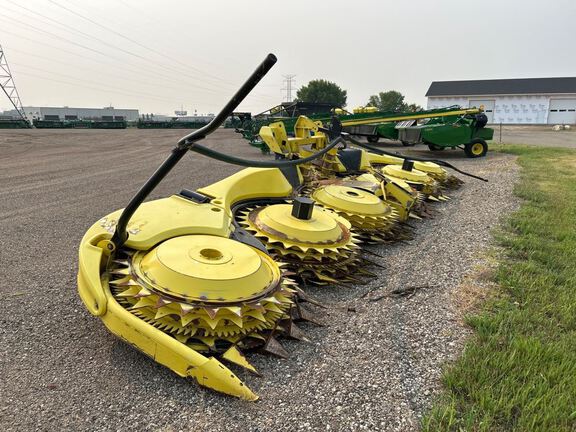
(375, 365)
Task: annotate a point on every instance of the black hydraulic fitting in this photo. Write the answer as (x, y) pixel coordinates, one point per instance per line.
(302, 208)
(407, 165)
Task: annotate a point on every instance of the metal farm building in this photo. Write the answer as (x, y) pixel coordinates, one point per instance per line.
(511, 101)
(69, 113)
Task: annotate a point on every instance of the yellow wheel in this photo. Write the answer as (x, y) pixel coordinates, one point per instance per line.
(476, 148)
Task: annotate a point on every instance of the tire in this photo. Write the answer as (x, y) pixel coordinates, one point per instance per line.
(434, 147)
(476, 148)
(373, 138)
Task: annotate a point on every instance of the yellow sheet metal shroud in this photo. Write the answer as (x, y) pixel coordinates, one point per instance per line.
(184, 293)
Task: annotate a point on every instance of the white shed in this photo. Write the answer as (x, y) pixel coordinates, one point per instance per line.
(511, 101)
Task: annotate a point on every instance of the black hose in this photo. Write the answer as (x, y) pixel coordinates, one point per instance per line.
(384, 152)
(262, 164)
(229, 108)
(121, 234)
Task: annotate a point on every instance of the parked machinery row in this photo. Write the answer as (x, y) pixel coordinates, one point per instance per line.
(197, 279)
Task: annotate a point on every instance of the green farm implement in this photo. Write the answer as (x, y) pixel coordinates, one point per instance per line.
(79, 124)
(14, 124)
(171, 124)
(287, 112)
(439, 129)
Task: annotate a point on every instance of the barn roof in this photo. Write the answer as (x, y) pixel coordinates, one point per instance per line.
(503, 87)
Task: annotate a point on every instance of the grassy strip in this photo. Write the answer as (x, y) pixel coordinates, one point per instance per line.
(519, 371)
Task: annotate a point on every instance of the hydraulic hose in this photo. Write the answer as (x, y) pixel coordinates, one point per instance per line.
(184, 144)
(262, 164)
(229, 108)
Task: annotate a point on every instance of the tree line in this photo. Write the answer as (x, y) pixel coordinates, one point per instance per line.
(325, 91)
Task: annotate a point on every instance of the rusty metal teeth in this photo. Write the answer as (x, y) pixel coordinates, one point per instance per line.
(203, 325)
(225, 330)
(321, 263)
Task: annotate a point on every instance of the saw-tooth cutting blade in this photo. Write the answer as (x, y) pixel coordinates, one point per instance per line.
(236, 310)
(186, 308)
(130, 292)
(163, 311)
(144, 292)
(273, 308)
(144, 302)
(211, 312)
(121, 271)
(303, 296)
(256, 314)
(272, 299)
(272, 346)
(187, 319)
(303, 314)
(296, 332)
(236, 320)
(234, 355)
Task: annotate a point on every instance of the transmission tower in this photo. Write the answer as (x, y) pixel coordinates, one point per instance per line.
(288, 80)
(8, 86)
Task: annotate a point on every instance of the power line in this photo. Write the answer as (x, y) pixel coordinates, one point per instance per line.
(84, 34)
(288, 79)
(137, 43)
(101, 88)
(74, 65)
(173, 59)
(120, 61)
(103, 54)
(10, 19)
(108, 44)
(74, 78)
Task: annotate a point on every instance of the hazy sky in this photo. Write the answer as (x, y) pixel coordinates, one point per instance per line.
(159, 55)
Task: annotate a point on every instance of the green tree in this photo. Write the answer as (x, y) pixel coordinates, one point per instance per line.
(322, 91)
(391, 100)
(414, 107)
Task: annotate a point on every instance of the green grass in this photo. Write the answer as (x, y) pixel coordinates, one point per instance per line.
(518, 372)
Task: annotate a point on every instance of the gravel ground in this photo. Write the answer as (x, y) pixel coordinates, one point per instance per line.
(536, 135)
(375, 365)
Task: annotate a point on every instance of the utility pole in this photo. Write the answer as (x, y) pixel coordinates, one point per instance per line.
(288, 80)
(8, 86)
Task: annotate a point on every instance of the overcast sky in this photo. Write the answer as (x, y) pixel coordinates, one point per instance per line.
(159, 55)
